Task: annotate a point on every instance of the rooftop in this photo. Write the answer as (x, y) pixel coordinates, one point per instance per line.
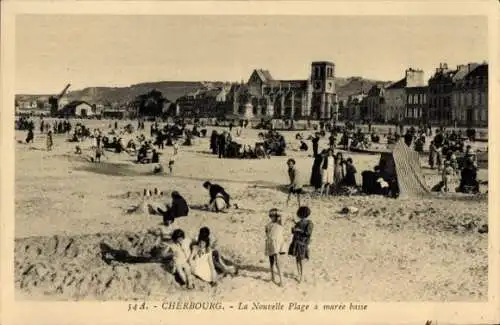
(323, 62)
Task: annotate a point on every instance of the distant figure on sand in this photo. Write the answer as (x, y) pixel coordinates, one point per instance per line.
(30, 136)
(302, 231)
(50, 142)
(274, 242)
(295, 187)
(219, 198)
(447, 174)
(178, 208)
(98, 153)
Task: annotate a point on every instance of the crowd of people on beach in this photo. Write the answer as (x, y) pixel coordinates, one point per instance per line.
(331, 173)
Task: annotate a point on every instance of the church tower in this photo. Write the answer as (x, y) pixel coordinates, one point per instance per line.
(323, 105)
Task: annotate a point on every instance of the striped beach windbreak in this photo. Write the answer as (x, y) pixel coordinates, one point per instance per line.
(403, 163)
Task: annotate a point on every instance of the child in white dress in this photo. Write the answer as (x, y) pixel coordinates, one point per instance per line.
(201, 262)
(274, 242)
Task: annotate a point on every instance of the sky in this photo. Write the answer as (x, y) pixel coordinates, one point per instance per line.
(112, 50)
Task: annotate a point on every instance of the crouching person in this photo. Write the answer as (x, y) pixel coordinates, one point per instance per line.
(178, 208)
(219, 198)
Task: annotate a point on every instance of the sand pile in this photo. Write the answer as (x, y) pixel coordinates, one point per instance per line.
(73, 267)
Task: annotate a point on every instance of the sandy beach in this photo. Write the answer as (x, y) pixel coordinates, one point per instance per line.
(391, 250)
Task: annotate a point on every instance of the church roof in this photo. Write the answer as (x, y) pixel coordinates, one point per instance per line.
(264, 75)
(398, 84)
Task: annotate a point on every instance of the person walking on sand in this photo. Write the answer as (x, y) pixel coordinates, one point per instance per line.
(295, 187)
(299, 247)
(274, 243)
(50, 142)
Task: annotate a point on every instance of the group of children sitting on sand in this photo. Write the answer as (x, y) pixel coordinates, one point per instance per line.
(202, 259)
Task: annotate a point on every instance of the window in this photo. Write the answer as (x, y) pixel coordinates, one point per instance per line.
(415, 99)
(410, 99)
(469, 99)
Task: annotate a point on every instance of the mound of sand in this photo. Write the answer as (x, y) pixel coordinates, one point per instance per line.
(73, 268)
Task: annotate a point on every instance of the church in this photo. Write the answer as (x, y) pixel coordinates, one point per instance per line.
(265, 97)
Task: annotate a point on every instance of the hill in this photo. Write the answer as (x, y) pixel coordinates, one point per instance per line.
(354, 85)
(172, 90)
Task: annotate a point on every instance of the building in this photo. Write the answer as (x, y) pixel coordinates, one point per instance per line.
(416, 111)
(374, 108)
(26, 104)
(265, 97)
(452, 95)
(78, 109)
(470, 96)
(395, 101)
(354, 106)
(208, 102)
(415, 101)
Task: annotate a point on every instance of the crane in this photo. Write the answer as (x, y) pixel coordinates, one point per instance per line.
(54, 100)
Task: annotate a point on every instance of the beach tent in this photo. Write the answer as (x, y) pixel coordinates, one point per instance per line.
(402, 165)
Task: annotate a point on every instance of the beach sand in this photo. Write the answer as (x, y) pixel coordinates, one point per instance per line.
(391, 250)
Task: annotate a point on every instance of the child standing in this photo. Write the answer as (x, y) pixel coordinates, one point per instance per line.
(274, 242)
(98, 154)
(171, 163)
(302, 231)
(448, 172)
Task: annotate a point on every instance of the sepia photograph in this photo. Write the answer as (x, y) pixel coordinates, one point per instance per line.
(251, 162)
